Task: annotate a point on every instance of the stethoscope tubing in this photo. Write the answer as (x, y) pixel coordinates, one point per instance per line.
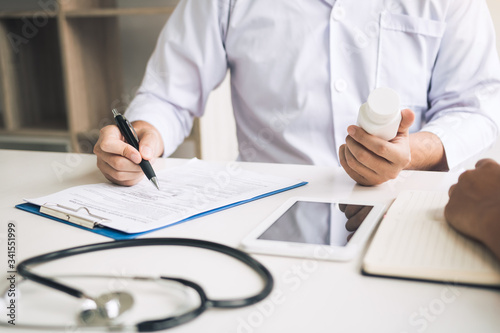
(23, 268)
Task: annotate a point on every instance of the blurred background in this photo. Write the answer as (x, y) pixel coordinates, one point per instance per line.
(65, 64)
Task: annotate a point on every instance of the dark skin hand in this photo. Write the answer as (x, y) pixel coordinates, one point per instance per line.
(474, 205)
(355, 214)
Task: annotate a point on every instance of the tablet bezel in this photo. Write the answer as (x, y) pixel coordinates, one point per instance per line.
(253, 244)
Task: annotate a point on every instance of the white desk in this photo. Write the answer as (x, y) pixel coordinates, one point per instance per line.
(309, 296)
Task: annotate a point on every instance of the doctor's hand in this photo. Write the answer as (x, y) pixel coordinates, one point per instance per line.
(370, 160)
(119, 161)
(474, 206)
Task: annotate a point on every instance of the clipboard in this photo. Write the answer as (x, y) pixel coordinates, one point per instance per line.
(107, 232)
(68, 214)
(95, 224)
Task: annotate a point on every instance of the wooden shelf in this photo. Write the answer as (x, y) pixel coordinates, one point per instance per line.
(86, 12)
(61, 69)
(27, 14)
(109, 12)
(32, 81)
(36, 139)
(37, 132)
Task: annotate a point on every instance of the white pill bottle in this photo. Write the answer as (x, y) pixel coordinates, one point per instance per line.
(381, 114)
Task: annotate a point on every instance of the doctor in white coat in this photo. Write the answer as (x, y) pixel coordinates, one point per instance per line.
(300, 71)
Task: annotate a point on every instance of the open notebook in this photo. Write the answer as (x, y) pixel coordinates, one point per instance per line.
(414, 241)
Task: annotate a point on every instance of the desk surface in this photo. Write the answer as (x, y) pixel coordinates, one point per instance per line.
(314, 296)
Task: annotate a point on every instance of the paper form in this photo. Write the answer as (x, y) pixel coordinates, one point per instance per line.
(186, 190)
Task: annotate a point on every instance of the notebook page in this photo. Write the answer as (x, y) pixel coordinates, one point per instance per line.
(415, 241)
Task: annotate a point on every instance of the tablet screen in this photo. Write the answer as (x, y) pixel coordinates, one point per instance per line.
(317, 223)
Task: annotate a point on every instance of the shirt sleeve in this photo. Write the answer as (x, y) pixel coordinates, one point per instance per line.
(189, 61)
(464, 96)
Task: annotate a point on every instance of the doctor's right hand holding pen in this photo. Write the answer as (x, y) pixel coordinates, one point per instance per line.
(118, 160)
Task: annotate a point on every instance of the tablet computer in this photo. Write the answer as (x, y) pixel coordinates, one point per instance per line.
(307, 228)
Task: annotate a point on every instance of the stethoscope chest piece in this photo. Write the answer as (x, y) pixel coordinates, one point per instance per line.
(103, 310)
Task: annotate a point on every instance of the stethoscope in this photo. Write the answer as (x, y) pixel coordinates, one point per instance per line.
(101, 312)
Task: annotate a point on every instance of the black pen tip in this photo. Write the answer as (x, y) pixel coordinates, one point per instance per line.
(154, 180)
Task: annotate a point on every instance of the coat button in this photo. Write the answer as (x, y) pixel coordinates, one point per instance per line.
(340, 85)
(338, 14)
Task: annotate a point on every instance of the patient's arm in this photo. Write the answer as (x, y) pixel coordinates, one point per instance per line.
(474, 206)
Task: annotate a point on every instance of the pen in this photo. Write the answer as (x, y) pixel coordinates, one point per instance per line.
(131, 137)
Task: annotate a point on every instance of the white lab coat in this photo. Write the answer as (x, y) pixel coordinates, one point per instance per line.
(300, 69)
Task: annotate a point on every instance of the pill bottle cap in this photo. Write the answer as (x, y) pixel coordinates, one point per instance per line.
(383, 105)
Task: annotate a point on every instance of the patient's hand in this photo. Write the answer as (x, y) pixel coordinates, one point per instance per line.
(474, 206)
(355, 214)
